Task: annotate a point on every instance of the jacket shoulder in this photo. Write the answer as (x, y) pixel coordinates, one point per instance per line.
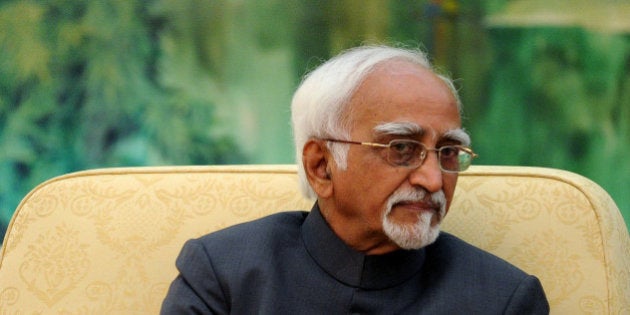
(256, 234)
(452, 254)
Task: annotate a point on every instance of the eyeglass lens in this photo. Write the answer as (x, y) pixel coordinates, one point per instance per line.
(411, 154)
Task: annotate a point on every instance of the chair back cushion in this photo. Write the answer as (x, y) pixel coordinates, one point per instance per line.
(104, 241)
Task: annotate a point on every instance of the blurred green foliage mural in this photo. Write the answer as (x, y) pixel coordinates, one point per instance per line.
(86, 84)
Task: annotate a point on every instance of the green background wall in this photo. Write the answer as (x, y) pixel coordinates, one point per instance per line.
(86, 84)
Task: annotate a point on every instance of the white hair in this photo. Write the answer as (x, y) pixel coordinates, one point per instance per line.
(319, 106)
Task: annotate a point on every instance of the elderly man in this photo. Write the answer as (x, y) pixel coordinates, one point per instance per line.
(379, 145)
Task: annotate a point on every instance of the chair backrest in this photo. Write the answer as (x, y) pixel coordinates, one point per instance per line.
(104, 241)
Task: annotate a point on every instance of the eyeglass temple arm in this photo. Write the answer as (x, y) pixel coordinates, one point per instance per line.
(370, 144)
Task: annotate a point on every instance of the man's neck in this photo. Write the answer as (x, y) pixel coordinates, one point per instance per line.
(348, 229)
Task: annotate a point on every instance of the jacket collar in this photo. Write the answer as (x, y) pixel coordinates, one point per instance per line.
(351, 267)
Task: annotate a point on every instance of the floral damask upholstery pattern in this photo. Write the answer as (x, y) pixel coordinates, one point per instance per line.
(105, 241)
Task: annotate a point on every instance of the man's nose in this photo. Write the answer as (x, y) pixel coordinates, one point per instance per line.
(428, 175)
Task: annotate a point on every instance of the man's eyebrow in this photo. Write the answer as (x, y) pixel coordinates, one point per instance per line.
(413, 129)
(399, 129)
(459, 135)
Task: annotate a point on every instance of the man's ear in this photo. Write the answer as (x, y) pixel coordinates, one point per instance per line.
(317, 163)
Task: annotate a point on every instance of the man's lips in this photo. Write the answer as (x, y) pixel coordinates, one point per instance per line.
(418, 206)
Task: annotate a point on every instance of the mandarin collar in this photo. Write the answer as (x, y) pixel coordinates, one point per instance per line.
(354, 268)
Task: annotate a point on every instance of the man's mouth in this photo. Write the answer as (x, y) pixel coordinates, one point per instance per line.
(419, 206)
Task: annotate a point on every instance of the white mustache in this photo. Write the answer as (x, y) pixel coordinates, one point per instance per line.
(435, 200)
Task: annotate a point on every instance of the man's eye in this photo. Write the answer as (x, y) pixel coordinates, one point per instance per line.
(403, 147)
(449, 151)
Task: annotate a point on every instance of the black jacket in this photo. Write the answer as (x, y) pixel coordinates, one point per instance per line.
(293, 263)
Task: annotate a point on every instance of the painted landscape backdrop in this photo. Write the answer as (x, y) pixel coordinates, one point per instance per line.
(87, 84)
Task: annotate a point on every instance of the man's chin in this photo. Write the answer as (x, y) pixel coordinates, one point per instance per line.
(410, 220)
(413, 236)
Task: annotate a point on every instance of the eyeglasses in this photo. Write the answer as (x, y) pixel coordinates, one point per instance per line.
(411, 154)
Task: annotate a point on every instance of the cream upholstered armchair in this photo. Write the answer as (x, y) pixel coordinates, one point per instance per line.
(105, 241)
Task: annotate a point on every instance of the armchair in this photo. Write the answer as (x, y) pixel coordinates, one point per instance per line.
(104, 241)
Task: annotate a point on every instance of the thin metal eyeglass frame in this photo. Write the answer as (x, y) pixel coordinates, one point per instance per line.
(423, 154)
